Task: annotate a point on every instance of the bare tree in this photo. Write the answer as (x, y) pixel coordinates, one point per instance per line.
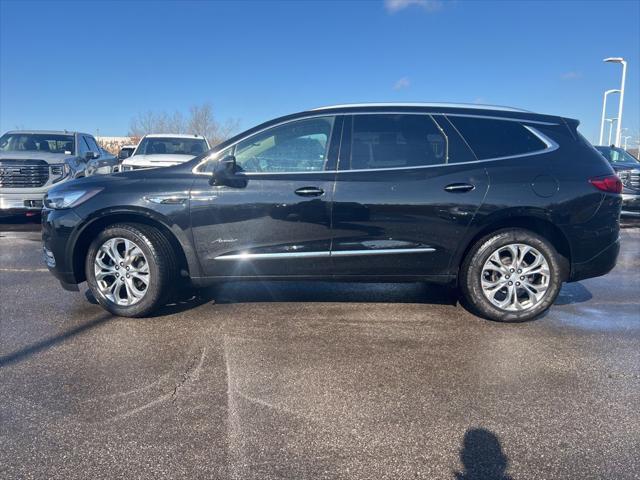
(143, 124)
(201, 121)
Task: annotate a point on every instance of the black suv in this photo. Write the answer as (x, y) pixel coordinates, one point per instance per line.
(503, 203)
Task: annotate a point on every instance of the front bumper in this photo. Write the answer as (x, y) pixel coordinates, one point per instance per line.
(21, 202)
(630, 205)
(58, 227)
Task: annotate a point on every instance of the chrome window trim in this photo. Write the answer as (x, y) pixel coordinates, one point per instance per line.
(551, 145)
(446, 139)
(323, 254)
(492, 117)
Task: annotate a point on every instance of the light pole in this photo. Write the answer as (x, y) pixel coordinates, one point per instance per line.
(604, 108)
(610, 120)
(623, 62)
(625, 138)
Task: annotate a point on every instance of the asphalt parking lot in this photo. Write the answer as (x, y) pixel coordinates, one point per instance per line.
(316, 380)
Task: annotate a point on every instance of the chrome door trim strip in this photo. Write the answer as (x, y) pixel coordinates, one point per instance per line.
(322, 254)
(381, 251)
(274, 256)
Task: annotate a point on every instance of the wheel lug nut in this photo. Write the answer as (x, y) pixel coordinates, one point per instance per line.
(122, 264)
(510, 283)
(517, 284)
(519, 270)
(127, 275)
(117, 267)
(521, 278)
(127, 269)
(507, 276)
(512, 270)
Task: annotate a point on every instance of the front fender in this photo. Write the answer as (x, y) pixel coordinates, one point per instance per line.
(173, 221)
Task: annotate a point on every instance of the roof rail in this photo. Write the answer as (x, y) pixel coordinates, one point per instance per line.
(418, 104)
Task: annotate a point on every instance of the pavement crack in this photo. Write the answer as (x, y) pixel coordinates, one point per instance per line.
(191, 373)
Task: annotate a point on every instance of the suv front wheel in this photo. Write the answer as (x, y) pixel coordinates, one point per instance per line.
(129, 269)
(511, 275)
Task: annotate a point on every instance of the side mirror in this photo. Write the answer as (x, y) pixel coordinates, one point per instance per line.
(91, 156)
(224, 173)
(123, 154)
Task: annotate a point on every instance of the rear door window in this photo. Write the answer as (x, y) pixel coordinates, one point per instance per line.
(395, 141)
(490, 138)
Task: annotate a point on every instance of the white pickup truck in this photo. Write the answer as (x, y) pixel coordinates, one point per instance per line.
(33, 161)
(165, 150)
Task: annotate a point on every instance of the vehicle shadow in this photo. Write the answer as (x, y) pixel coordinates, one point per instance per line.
(308, 291)
(45, 344)
(482, 457)
(573, 293)
(20, 223)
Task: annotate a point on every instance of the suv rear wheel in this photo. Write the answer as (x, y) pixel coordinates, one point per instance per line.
(129, 269)
(511, 275)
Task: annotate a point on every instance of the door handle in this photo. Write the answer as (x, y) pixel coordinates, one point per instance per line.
(309, 192)
(459, 187)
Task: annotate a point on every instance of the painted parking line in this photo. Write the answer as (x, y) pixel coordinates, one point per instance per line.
(24, 269)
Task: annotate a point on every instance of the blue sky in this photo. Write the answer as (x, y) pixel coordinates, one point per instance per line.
(94, 65)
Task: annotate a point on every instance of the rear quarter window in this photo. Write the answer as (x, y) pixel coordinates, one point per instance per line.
(489, 138)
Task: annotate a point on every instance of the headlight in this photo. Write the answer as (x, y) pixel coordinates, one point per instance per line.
(103, 170)
(69, 198)
(59, 171)
(625, 177)
(98, 168)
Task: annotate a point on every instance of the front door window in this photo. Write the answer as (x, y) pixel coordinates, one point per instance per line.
(296, 147)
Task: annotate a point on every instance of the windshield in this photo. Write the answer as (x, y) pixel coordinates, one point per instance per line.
(37, 142)
(617, 155)
(171, 146)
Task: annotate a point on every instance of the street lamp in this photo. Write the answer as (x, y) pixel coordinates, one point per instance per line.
(625, 138)
(604, 108)
(623, 62)
(610, 120)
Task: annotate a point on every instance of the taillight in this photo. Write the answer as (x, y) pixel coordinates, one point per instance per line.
(607, 183)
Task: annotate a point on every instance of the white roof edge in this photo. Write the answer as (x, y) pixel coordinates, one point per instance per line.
(419, 104)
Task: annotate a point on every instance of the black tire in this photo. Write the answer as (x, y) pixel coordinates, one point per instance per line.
(161, 261)
(471, 270)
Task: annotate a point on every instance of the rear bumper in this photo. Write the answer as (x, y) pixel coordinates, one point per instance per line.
(601, 263)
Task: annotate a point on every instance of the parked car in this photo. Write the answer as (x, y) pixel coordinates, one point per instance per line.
(126, 151)
(503, 203)
(33, 161)
(165, 150)
(628, 169)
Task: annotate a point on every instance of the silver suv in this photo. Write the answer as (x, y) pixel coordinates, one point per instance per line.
(31, 162)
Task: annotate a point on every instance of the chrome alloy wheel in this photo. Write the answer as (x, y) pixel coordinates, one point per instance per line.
(121, 271)
(515, 277)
